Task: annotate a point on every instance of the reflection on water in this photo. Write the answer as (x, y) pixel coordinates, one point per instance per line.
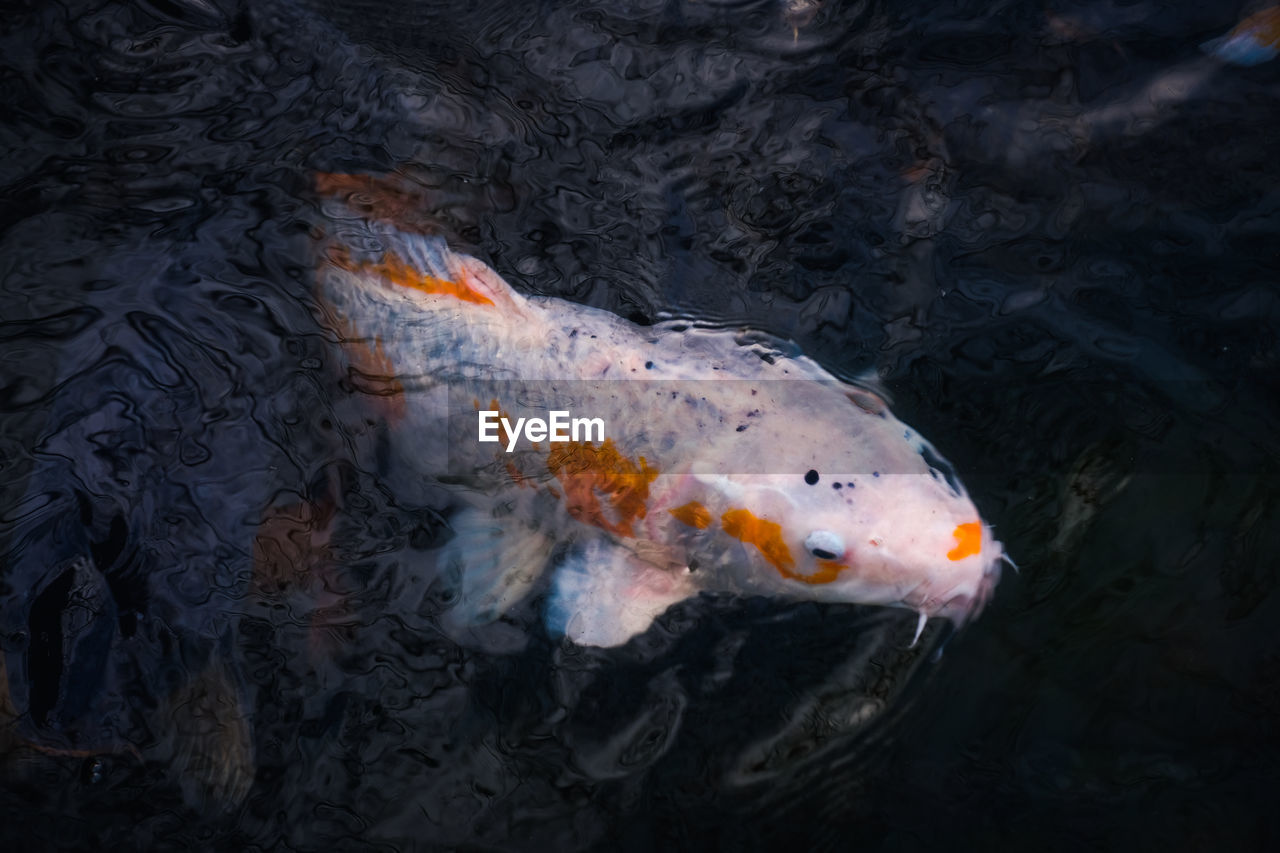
(1048, 229)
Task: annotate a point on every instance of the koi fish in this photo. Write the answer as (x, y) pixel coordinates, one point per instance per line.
(726, 463)
(1253, 41)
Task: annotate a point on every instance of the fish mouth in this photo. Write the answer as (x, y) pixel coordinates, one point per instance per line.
(964, 608)
(960, 607)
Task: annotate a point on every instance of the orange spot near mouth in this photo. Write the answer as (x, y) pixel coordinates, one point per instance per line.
(693, 514)
(968, 541)
(396, 271)
(589, 473)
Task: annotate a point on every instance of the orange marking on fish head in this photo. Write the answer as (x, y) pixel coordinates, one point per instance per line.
(766, 535)
(968, 541)
(828, 571)
(589, 474)
(692, 514)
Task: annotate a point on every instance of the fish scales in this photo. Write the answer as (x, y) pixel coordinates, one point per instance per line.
(719, 463)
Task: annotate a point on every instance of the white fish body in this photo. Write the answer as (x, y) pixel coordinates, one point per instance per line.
(723, 465)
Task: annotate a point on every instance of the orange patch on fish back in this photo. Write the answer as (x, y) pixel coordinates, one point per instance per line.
(590, 474)
(396, 271)
(693, 514)
(766, 535)
(968, 541)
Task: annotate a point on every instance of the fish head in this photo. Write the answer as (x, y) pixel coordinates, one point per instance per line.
(846, 503)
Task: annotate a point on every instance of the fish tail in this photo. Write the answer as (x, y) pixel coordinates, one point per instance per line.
(1255, 40)
(1238, 50)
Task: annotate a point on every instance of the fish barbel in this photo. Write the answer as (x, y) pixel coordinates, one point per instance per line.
(720, 463)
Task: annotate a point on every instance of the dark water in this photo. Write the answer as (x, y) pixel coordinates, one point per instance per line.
(1049, 228)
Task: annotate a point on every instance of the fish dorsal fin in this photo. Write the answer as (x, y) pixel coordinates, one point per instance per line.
(423, 267)
(603, 595)
(482, 279)
(384, 231)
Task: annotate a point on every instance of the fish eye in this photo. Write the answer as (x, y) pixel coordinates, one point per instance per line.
(824, 544)
(811, 477)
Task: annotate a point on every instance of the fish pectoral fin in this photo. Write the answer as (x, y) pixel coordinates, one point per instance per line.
(603, 595)
(495, 561)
